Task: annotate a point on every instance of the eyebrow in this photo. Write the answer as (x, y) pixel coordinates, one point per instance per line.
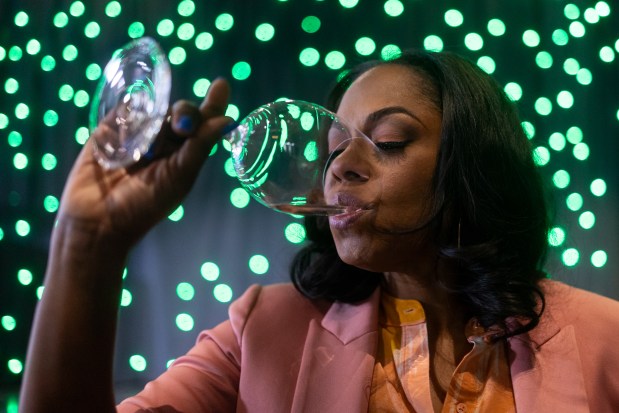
(376, 116)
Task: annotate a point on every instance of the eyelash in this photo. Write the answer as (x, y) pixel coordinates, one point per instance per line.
(392, 146)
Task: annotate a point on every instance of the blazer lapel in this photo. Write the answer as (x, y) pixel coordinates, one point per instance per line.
(546, 370)
(338, 359)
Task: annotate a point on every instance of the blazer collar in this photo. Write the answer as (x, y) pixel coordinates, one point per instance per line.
(350, 321)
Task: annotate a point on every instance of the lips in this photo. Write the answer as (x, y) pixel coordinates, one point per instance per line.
(355, 209)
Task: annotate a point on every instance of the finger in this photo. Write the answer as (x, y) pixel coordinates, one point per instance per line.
(215, 102)
(185, 118)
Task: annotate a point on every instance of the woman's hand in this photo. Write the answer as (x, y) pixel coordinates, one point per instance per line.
(125, 203)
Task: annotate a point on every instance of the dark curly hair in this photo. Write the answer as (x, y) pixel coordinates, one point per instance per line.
(488, 194)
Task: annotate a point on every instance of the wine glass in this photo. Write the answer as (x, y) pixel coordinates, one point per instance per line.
(279, 151)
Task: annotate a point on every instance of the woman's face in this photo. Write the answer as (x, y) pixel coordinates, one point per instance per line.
(387, 187)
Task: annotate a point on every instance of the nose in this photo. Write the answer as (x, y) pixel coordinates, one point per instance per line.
(350, 162)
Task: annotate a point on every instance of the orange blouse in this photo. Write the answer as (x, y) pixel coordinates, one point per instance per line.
(401, 383)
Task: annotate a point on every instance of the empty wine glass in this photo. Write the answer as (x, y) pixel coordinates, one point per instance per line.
(279, 151)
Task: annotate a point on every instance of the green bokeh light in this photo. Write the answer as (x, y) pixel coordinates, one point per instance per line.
(15, 366)
(599, 258)
(136, 30)
(200, 87)
(433, 43)
(137, 362)
(586, 220)
(574, 201)
(607, 54)
(21, 19)
(233, 111)
(125, 298)
(224, 22)
(22, 227)
(8, 322)
(310, 24)
(33, 47)
(393, 8)
(15, 53)
(93, 71)
(51, 204)
(92, 30)
(265, 32)
(541, 156)
(184, 322)
(581, 151)
(204, 41)
(571, 11)
(473, 41)
(335, 60)
(185, 291)
(454, 18)
(77, 9)
(487, 64)
(530, 38)
(177, 55)
(165, 27)
(570, 257)
(239, 198)
(49, 161)
(11, 86)
(565, 99)
(186, 8)
(390, 51)
(177, 215)
(496, 27)
(4, 121)
(513, 90)
(598, 187)
(24, 276)
(259, 264)
(574, 135)
(186, 31)
(81, 135)
(365, 46)
(14, 139)
(241, 70)
(48, 63)
(577, 29)
(543, 59)
(209, 271)
(560, 37)
(22, 111)
(556, 236)
(61, 19)
(81, 98)
(543, 106)
(584, 76)
(348, 4)
(557, 141)
(561, 179)
(113, 9)
(295, 233)
(223, 293)
(309, 56)
(69, 53)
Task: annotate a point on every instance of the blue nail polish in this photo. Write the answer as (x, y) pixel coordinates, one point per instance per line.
(185, 123)
(229, 127)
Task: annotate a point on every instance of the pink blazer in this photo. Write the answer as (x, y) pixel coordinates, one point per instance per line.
(280, 352)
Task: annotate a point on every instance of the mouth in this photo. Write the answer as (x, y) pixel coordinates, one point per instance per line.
(354, 208)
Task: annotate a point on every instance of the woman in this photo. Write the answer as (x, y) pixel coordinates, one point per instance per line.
(426, 295)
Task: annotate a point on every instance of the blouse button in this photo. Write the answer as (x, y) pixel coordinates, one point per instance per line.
(461, 408)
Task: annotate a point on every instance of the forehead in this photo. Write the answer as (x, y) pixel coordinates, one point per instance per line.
(384, 86)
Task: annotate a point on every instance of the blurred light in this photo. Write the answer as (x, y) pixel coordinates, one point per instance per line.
(33, 47)
(394, 8)
(513, 90)
(453, 18)
(295, 233)
(81, 135)
(561, 179)
(581, 151)
(39, 292)
(365, 46)
(165, 27)
(541, 156)
(200, 87)
(222, 293)
(232, 111)
(69, 53)
(49, 162)
(602, 8)
(574, 135)
(61, 20)
(204, 41)
(598, 187)
(496, 27)
(570, 257)
(599, 258)
(241, 70)
(2, 53)
(177, 215)
(15, 53)
(584, 76)
(574, 201)
(125, 298)
(22, 228)
(586, 220)
(473, 41)
(184, 322)
(390, 51)
(186, 31)
(209, 271)
(487, 64)
(543, 106)
(607, 54)
(93, 71)
(137, 362)
(224, 22)
(136, 30)
(557, 141)
(529, 129)
(11, 86)
(433, 43)
(556, 236)
(565, 99)
(591, 16)
(113, 9)
(571, 66)
(228, 166)
(8, 323)
(543, 59)
(335, 60)
(577, 29)
(309, 56)
(48, 63)
(24, 276)
(560, 37)
(265, 32)
(15, 366)
(177, 55)
(185, 291)
(14, 139)
(77, 9)
(20, 161)
(530, 38)
(571, 11)
(349, 3)
(186, 8)
(310, 24)
(258, 264)
(4, 121)
(92, 30)
(51, 204)
(239, 198)
(81, 98)
(21, 19)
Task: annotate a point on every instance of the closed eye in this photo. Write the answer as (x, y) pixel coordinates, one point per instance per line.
(391, 146)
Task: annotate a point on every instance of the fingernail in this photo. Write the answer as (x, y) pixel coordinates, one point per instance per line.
(229, 127)
(185, 123)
